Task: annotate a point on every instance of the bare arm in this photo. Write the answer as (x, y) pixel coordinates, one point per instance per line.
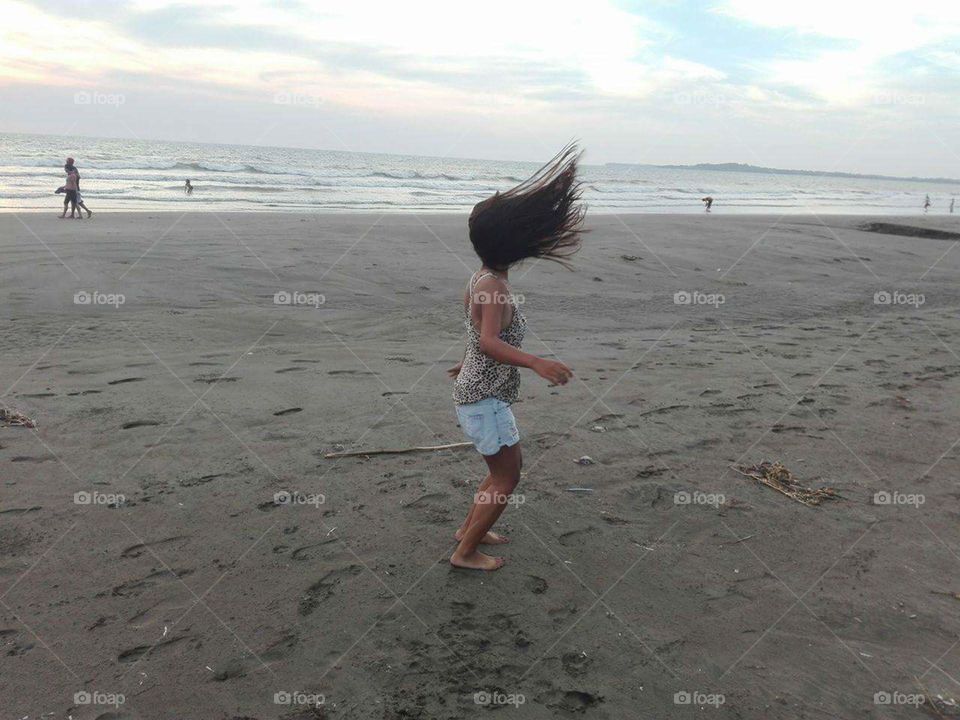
(492, 312)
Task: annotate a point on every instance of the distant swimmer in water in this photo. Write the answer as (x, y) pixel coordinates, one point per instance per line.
(926, 203)
(187, 187)
(708, 202)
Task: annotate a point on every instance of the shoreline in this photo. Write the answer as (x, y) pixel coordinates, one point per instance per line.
(746, 214)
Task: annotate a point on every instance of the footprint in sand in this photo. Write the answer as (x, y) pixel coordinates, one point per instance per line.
(536, 585)
(165, 611)
(240, 666)
(139, 423)
(324, 588)
(21, 510)
(575, 664)
(210, 380)
(433, 507)
(135, 653)
(309, 552)
(549, 439)
(288, 411)
(137, 550)
(132, 588)
(202, 480)
(571, 701)
(574, 537)
(663, 410)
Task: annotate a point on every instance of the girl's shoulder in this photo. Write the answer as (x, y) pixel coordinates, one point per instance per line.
(490, 283)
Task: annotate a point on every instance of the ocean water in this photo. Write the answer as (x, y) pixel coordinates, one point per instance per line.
(138, 175)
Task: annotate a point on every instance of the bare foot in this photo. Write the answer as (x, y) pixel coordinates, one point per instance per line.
(491, 538)
(89, 214)
(477, 561)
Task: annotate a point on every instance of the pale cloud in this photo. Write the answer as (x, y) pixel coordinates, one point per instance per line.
(872, 33)
(636, 85)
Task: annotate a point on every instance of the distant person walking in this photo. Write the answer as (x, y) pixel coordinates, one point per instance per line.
(80, 203)
(70, 188)
(952, 200)
(926, 204)
(187, 187)
(708, 202)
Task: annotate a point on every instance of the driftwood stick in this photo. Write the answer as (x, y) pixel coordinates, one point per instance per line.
(764, 481)
(398, 451)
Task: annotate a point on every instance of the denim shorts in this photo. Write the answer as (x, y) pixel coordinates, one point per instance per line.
(489, 424)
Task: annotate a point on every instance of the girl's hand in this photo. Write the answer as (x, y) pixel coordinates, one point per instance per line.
(455, 370)
(556, 372)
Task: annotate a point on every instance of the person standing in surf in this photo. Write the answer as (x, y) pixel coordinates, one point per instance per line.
(540, 218)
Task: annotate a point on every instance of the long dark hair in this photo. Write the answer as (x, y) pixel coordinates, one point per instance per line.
(539, 218)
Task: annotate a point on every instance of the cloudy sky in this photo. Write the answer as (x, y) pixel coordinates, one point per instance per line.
(814, 84)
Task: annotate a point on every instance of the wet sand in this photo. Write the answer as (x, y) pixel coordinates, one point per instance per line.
(177, 580)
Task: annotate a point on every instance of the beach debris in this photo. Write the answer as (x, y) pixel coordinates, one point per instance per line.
(937, 706)
(585, 460)
(776, 475)
(580, 489)
(630, 258)
(954, 595)
(397, 451)
(598, 428)
(14, 418)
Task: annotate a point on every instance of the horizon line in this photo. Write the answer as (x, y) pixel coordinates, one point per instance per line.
(714, 167)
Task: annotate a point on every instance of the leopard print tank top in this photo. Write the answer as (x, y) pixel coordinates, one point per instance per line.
(481, 376)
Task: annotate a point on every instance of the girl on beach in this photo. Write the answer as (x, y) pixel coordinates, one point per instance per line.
(541, 218)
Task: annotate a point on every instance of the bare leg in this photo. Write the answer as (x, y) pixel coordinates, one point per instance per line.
(504, 476)
(491, 538)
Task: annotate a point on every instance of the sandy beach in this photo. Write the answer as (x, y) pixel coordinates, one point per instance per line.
(188, 372)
